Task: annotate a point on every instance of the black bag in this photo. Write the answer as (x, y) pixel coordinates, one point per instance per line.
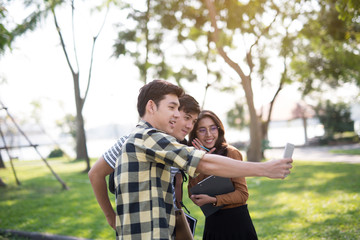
(112, 183)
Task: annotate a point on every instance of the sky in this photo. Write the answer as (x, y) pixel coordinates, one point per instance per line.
(36, 70)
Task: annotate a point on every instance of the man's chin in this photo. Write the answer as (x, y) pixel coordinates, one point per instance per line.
(182, 138)
(169, 130)
(179, 137)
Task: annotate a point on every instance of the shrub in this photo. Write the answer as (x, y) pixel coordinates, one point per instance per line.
(57, 152)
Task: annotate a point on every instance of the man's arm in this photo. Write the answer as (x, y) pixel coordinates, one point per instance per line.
(97, 176)
(212, 164)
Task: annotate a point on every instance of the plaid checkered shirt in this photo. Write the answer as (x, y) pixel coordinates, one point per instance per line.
(144, 204)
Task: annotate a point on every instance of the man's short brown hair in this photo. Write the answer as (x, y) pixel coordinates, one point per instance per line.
(156, 91)
(188, 104)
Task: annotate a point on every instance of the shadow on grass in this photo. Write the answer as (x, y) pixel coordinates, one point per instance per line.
(317, 201)
(340, 226)
(322, 178)
(40, 205)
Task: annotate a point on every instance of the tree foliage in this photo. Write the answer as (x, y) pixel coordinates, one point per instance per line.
(349, 11)
(10, 30)
(336, 117)
(68, 125)
(236, 116)
(243, 35)
(144, 40)
(328, 48)
(42, 9)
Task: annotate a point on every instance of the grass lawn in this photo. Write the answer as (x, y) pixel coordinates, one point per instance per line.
(317, 201)
(349, 151)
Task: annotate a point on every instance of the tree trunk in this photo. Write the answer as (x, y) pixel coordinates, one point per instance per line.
(254, 149)
(81, 149)
(304, 120)
(264, 137)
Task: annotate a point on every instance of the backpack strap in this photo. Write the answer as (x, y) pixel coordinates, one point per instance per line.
(179, 179)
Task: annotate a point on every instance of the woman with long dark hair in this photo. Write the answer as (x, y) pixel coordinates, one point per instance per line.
(233, 220)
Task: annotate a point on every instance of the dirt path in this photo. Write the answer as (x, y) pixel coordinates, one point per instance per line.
(318, 153)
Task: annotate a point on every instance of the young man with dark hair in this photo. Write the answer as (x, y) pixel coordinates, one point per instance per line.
(189, 110)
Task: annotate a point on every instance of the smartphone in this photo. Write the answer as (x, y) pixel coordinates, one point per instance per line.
(288, 151)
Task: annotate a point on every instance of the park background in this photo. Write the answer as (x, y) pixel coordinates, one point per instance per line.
(36, 87)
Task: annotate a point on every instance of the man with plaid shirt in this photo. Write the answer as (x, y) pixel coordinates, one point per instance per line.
(144, 203)
(189, 110)
(144, 194)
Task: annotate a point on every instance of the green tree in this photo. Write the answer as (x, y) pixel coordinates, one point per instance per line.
(68, 125)
(80, 135)
(5, 35)
(349, 11)
(336, 117)
(304, 112)
(327, 51)
(236, 116)
(143, 40)
(241, 35)
(10, 30)
(42, 9)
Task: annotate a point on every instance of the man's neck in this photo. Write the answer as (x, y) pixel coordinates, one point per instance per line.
(148, 120)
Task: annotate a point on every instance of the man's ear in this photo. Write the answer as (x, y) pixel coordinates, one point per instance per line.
(151, 106)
